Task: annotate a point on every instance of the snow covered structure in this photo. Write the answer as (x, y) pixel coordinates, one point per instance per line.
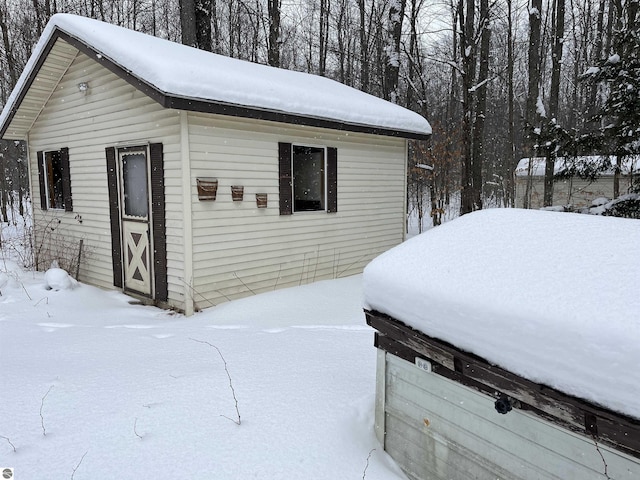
(194, 178)
(571, 190)
(503, 356)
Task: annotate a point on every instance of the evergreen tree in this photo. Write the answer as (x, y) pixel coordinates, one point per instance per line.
(619, 79)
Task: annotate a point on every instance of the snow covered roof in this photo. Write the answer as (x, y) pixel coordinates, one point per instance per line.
(629, 165)
(552, 297)
(179, 76)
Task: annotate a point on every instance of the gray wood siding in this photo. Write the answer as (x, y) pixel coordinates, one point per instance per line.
(438, 429)
(239, 249)
(113, 113)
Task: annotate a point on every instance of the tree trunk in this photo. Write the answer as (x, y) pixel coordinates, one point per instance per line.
(616, 176)
(453, 103)
(534, 61)
(4, 191)
(324, 36)
(554, 98)
(511, 146)
(392, 65)
(364, 47)
(188, 22)
(273, 54)
(203, 24)
(467, 52)
(481, 106)
(8, 48)
(215, 26)
(595, 58)
(531, 113)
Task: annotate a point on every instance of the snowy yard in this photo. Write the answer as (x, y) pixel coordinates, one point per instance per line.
(128, 391)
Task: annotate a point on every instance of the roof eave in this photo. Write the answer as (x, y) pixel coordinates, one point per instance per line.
(15, 104)
(234, 110)
(194, 104)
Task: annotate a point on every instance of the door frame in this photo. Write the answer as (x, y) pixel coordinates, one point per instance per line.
(157, 219)
(134, 225)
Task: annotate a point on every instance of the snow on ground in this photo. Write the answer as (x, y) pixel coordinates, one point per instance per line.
(550, 296)
(130, 391)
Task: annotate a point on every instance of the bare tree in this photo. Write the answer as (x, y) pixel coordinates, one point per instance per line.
(558, 42)
(392, 49)
(345, 42)
(466, 17)
(481, 105)
(533, 93)
(510, 150)
(188, 22)
(273, 48)
(324, 36)
(195, 20)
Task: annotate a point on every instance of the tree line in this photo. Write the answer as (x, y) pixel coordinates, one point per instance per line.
(497, 79)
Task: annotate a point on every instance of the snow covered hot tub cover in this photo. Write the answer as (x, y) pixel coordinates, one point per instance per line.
(552, 297)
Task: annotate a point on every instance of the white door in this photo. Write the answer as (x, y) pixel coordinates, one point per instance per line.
(136, 234)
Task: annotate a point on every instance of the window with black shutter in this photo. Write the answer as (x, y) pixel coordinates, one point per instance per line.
(55, 180)
(308, 178)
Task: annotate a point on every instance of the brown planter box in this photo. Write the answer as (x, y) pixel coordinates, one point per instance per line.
(261, 200)
(237, 192)
(207, 188)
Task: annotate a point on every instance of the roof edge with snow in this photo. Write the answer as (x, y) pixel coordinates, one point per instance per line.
(177, 100)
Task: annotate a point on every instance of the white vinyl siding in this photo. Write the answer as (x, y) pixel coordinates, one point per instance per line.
(113, 113)
(574, 191)
(239, 249)
(438, 429)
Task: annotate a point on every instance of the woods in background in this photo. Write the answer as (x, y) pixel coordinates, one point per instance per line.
(498, 79)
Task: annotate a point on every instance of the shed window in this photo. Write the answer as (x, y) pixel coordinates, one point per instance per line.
(308, 178)
(55, 181)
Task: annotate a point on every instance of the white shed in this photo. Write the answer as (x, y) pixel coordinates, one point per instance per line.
(505, 356)
(571, 190)
(193, 178)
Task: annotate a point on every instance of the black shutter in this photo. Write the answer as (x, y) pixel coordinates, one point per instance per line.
(286, 190)
(114, 212)
(41, 181)
(66, 180)
(332, 180)
(158, 218)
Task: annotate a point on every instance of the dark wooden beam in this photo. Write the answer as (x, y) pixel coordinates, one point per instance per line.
(594, 422)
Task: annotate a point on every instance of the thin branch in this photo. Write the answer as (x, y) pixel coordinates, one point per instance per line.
(7, 439)
(44, 431)
(487, 80)
(245, 285)
(233, 392)
(135, 423)
(78, 465)
(450, 63)
(25, 291)
(604, 462)
(193, 290)
(46, 299)
(352, 264)
(364, 473)
(278, 278)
